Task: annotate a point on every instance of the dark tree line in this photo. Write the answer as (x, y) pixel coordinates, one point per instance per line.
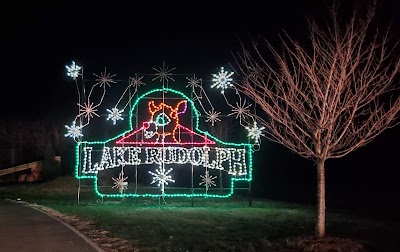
(23, 141)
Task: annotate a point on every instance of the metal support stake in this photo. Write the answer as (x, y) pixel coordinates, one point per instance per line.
(79, 191)
(249, 190)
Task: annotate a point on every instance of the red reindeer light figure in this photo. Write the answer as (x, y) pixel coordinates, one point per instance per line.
(164, 121)
(164, 127)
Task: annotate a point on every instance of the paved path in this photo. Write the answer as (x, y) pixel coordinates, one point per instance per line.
(24, 229)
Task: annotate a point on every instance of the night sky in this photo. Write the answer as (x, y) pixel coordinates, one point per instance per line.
(39, 39)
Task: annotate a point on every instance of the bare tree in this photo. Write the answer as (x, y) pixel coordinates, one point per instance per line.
(28, 139)
(15, 136)
(329, 97)
(40, 136)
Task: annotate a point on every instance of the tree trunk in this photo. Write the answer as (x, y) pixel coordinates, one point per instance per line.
(320, 225)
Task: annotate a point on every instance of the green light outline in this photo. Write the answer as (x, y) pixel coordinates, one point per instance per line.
(249, 152)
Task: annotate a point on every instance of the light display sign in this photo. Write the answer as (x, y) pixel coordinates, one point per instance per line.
(163, 151)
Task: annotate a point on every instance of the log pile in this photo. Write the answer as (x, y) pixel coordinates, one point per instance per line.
(34, 174)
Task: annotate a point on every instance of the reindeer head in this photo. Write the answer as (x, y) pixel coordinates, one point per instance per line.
(164, 120)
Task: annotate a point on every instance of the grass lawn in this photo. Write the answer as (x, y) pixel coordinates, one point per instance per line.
(210, 225)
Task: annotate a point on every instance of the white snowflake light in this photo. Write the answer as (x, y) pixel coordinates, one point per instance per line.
(255, 132)
(73, 70)
(74, 131)
(120, 183)
(163, 73)
(105, 78)
(241, 111)
(207, 180)
(115, 115)
(222, 80)
(161, 177)
(212, 116)
(88, 110)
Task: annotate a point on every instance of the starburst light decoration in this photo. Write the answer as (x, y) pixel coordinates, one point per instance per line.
(193, 82)
(73, 70)
(255, 132)
(88, 110)
(105, 78)
(163, 73)
(73, 130)
(207, 180)
(120, 182)
(136, 81)
(161, 177)
(241, 111)
(115, 115)
(222, 80)
(212, 116)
